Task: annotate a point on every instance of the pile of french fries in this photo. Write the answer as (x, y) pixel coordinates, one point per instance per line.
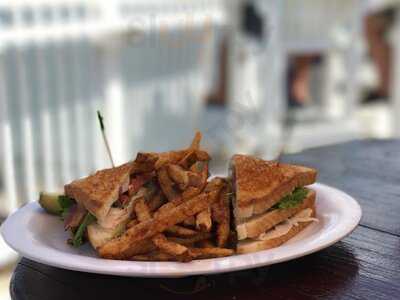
(186, 217)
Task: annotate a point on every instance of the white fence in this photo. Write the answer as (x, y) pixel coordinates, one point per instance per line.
(144, 64)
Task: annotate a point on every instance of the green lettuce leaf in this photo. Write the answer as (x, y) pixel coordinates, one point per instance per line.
(293, 199)
(77, 240)
(65, 204)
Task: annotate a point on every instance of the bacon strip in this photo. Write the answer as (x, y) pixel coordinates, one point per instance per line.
(138, 181)
(75, 216)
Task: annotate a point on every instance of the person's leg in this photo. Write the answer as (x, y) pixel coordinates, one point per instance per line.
(301, 70)
(376, 26)
(219, 95)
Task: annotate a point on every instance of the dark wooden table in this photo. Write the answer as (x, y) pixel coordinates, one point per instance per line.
(365, 265)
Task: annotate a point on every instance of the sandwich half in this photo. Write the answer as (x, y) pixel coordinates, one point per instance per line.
(101, 204)
(270, 201)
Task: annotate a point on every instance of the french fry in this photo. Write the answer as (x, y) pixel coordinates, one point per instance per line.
(191, 221)
(142, 157)
(191, 192)
(216, 183)
(221, 215)
(192, 240)
(202, 155)
(192, 156)
(168, 206)
(142, 167)
(198, 167)
(154, 256)
(144, 162)
(198, 253)
(222, 234)
(167, 246)
(188, 159)
(164, 209)
(180, 231)
(195, 145)
(195, 179)
(205, 244)
(203, 220)
(132, 223)
(109, 250)
(204, 173)
(166, 184)
(155, 202)
(171, 157)
(122, 246)
(178, 175)
(141, 210)
(195, 253)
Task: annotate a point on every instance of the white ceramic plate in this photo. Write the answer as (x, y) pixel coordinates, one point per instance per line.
(7, 255)
(40, 237)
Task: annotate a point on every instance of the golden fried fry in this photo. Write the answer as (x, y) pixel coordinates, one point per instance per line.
(164, 209)
(203, 220)
(146, 157)
(168, 206)
(144, 163)
(221, 215)
(193, 191)
(195, 179)
(192, 240)
(194, 253)
(191, 221)
(111, 250)
(222, 234)
(205, 244)
(142, 167)
(216, 183)
(155, 202)
(195, 145)
(180, 231)
(178, 175)
(202, 155)
(167, 184)
(167, 246)
(154, 256)
(198, 253)
(188, 159)
(171, 157)
(141, 210)
(132, 223)
(193, 156)
(198, 166)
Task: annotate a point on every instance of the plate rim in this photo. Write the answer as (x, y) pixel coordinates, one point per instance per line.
(109, 267)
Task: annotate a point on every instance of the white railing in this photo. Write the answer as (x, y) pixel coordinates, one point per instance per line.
(60, 61)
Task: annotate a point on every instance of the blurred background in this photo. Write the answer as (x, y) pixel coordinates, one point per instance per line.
(259, 77)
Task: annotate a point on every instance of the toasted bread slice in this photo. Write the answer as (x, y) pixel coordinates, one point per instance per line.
(259, 184)
(99, 191)
(264, 222)
(251, 245)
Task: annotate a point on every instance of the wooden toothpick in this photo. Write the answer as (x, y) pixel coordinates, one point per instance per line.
(103, 132)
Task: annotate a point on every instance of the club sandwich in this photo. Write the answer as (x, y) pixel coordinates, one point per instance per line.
(271, 203)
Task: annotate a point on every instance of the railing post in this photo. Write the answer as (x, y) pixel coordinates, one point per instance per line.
(114, 101)
(7, 151)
